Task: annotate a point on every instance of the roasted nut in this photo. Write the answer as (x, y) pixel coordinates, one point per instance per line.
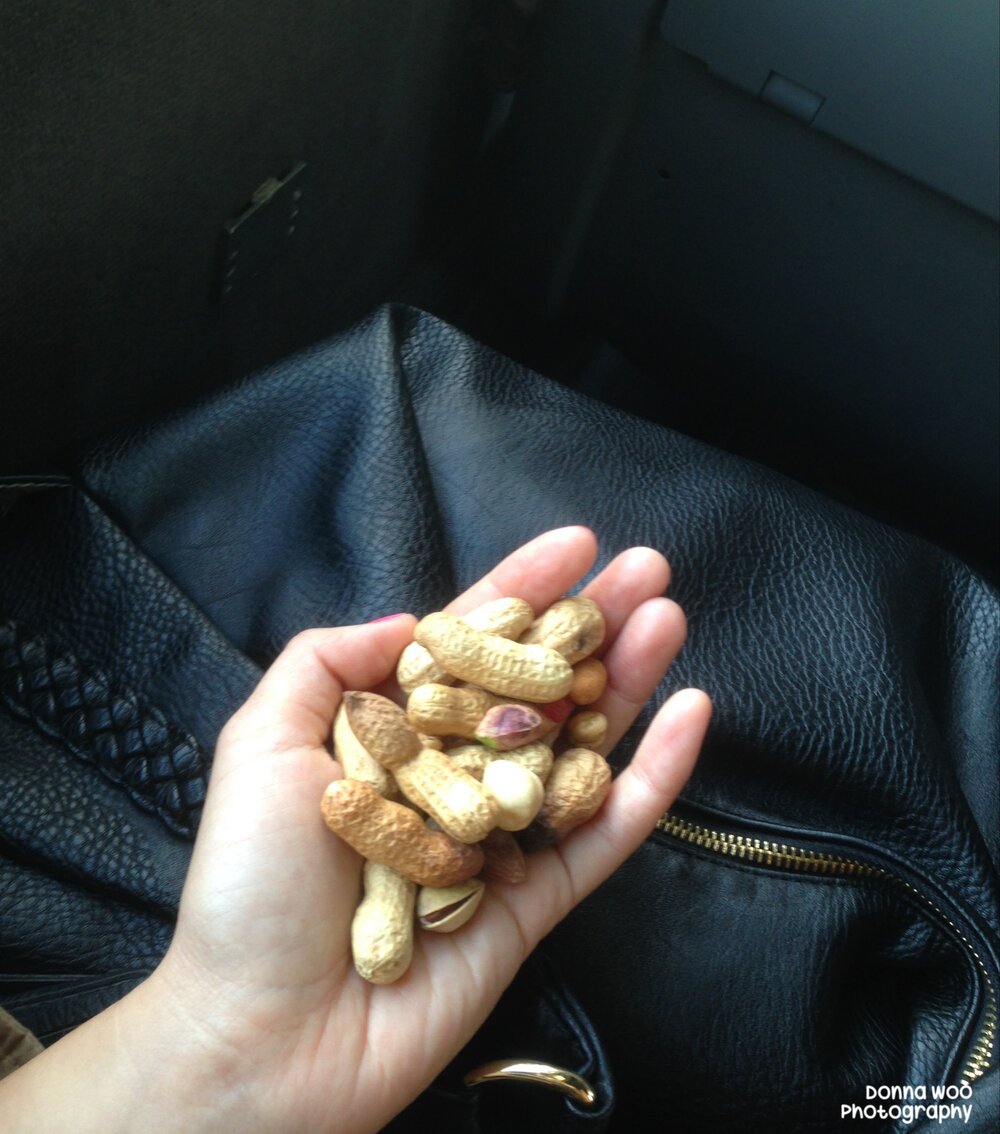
(510, 726)
(382, 727)
(382, 929)
(471, 758)
(559, 710)
(459, 803)
(535, 758)
(578, 784)
(424, 775)
(509, 669)
(518, 793)
(508, 617)
(473, 796)
(504, 858)
(589, 729)
(590, 679)
(357, 762)
(441, 710)
(550, 738)
(573, 627)
(443, 909)
(395, 835)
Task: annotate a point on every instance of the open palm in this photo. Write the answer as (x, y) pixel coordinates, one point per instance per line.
(259, 975)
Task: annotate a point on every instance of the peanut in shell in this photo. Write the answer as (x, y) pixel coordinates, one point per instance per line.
(577, 786)
(442, 710)
(357, 762)
(382, 927)
(574, 627)
(382, 728)
(508, 617)
(457, 801)
(471, 758)
(508, 669)
(394, 835)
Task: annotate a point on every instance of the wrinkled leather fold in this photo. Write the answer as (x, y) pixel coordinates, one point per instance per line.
(854, 672)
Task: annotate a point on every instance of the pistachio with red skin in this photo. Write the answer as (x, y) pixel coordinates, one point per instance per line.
(558, 711)
(510, 726)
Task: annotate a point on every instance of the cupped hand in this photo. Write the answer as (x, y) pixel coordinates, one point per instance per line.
(259, 979)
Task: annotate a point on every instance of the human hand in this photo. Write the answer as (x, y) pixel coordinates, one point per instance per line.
(256, 1020)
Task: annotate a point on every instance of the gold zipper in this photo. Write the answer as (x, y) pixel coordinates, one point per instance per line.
(763, 852)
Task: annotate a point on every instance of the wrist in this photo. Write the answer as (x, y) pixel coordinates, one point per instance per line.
(139, 1067)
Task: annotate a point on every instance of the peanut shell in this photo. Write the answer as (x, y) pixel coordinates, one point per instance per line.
(458, 802)
(509, 669)
(508, 617)
(382, 928)
(358, 763)
(577, 786)
(382, 727)
(574, 627)
(395, 835)
(441, 710)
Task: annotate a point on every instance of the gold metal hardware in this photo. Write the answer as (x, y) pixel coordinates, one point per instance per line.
(530, 1071)
(762, 852)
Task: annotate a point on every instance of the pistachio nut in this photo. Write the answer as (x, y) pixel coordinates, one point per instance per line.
(442, 909)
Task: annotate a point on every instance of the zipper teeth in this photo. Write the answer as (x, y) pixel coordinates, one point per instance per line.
(763, 852)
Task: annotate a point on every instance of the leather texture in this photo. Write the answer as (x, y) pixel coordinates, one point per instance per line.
(112, 690)
(854, 672)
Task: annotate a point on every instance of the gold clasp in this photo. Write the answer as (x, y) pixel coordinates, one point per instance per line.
(530, 1071)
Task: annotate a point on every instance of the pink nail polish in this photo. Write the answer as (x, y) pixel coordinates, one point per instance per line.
(386, 617)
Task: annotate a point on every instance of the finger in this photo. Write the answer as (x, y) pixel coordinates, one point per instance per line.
(539, 572)
(644, 791)
(658, 771)
(630, 578)
(639, 657)
(294, 704)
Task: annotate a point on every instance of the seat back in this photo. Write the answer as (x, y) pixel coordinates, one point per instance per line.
(131, 135)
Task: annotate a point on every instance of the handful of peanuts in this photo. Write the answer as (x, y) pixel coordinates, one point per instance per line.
(447, 795)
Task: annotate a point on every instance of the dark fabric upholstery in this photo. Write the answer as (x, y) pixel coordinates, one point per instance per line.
(131, 133)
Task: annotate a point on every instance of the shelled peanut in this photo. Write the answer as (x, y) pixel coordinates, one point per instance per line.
(447, 794)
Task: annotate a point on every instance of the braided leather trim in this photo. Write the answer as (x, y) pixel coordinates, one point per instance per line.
(160, 767)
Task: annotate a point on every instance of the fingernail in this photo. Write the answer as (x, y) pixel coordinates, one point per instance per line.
(386, 617)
